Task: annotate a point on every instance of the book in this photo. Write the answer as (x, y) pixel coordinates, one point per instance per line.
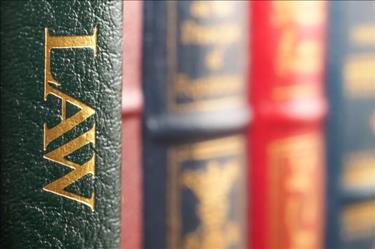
(286, 93)
(351, 126)
(195, 112)
(132, 101)
(60, 124)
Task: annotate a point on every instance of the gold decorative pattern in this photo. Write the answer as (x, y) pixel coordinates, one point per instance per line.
(211, 186)
(222, 167)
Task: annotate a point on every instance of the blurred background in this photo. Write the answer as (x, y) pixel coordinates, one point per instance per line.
(257, 128)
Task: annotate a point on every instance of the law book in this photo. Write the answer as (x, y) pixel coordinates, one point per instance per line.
(286, 93)
(60, 124)
(131, 171)
(351, 126)
(195, 112)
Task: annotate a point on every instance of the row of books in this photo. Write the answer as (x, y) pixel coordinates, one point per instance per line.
(244, 124)
(237, 148)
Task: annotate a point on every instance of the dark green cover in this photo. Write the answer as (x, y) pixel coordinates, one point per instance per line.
(32, 216)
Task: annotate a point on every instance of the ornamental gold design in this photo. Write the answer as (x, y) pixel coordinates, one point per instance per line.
(212, 187)
(50, 134)
(217, 179)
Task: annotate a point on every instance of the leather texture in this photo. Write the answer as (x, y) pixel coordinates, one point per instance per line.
(193, 105)
(350, 130)
(30, 216)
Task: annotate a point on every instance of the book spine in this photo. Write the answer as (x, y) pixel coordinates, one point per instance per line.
(131, 176)
(286, 137)
(351, 126)
(60, 124)
(195, 109)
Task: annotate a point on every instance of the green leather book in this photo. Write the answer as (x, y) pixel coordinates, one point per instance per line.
(60, 124)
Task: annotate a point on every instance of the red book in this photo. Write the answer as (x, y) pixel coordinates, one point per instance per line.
(131, 176)
(286, 138)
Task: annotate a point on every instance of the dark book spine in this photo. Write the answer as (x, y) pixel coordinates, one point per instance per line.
(60, 124)
(195, 111)
(132, 102)
(351, 126)
(286, 137)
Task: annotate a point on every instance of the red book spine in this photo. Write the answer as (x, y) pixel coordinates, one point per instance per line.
(286, 139)
(131, 173)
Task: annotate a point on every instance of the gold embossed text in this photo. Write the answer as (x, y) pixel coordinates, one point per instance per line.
(59, 154)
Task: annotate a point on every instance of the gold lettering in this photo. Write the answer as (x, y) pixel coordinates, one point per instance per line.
(359, 76)
(359, 220)
(363, 34)
(297, 91)
(206, 36)
(202, 9)
(298, 12)
(297, 55)
(204, 92)
(194, 33)
(298, 160)
(359, 170)
(59, 154)
(65, 125)
(301, 208)
(208, 86)
(301, 238)
(215, 58)
(63, 42)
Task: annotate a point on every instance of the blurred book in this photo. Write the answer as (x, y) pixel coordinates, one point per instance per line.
(286, 151)
(194, 81)
(351, 125)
